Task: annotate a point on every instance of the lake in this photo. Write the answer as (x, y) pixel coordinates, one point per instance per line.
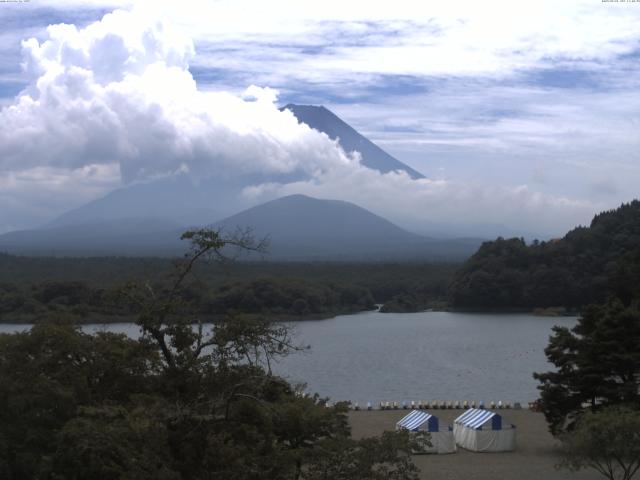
(374, 356)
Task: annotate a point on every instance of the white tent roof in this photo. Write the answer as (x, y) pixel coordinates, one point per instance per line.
(414, 420)
(475, 417)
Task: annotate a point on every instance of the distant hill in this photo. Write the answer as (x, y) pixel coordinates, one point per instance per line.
(299, 228)
(127, 237)
(305, 228)
(586, 266)
(176, 199)
(303, 217)
(324, 120)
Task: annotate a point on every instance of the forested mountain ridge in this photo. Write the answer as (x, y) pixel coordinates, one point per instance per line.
(586, 266)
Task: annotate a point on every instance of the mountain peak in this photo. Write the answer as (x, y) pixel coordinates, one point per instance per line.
(295, 106)
(324, 120)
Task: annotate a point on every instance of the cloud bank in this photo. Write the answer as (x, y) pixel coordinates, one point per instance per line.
(117, 98)
(119, 91)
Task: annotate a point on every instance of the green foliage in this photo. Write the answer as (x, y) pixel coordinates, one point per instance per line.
(403, 303)
(598, 364)
(109, 442)
(47, 373)
(607, 441)
(586, 266)
(87, 289)
(185, 401)
(384, 458)
(273, 297)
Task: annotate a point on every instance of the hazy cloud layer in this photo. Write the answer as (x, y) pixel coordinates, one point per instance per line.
(416, 204)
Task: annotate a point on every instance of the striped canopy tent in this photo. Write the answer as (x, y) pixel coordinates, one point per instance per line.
(482, 430)
(441, 441)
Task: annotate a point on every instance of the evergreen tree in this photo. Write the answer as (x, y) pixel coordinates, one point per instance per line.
(598, 364)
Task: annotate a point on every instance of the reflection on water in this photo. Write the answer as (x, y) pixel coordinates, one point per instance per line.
(419, 356)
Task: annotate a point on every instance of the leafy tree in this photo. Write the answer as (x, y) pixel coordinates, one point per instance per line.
(108, 442)
(185, 401)
(46, 374)
(598, 364)
(607, 441)
(384, 458)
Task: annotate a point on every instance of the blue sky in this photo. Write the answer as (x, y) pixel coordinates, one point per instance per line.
(535, 105)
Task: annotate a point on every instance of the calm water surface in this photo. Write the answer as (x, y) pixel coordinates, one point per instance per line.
(423, 356)
(419, 356)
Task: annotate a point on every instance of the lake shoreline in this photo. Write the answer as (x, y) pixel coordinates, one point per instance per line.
(211, 319)
(537, 311)
(93, 319)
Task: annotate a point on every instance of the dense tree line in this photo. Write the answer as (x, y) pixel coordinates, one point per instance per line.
(273, 297)
(383, 279)
(33, 288)
(288, 297)
(587, 266)
(29, 303)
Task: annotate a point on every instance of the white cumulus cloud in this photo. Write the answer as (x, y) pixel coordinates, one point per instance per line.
(120, 91)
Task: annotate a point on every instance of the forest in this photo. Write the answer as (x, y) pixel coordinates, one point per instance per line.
(588, 265)
(90, 290)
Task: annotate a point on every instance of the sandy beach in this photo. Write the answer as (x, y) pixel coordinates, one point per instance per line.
(534, 459)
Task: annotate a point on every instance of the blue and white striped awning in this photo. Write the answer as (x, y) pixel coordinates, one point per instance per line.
(477, 417)
(417, 419)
